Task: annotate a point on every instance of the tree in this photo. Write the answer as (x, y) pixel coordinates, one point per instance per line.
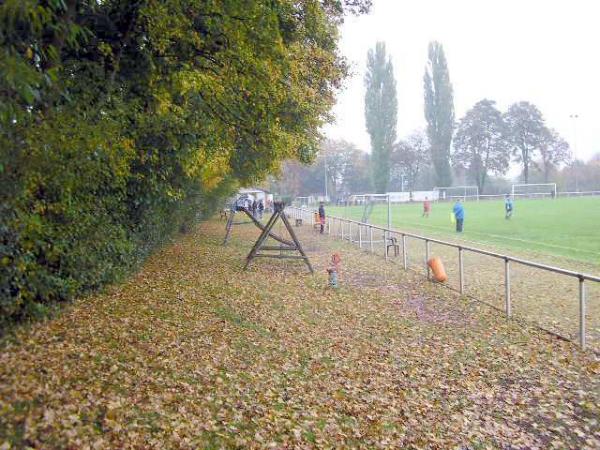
(340, 163)
(526, 133)
(381, 111)
(409, 157)
(553, 151)
(335, 154)
(587, 173)
(439, 112)
(480, 146)
(348, 168)
(123, 121)
(357, 176)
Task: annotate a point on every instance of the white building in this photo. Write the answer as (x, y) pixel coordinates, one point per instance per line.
(256, 194)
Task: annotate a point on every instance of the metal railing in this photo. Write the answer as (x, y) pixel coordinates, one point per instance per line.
(308, 215)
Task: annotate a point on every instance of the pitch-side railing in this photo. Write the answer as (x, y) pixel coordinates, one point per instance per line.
(309, 215)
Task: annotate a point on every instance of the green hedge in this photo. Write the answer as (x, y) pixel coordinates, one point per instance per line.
(122, 123)
(81, 216)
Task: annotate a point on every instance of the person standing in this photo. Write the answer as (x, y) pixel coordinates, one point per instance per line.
(459, 215)
(254, 207)
(508, 207)
(322, 216)
(261, 209)
(426, 207)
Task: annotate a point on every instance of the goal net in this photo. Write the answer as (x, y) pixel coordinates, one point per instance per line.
(531, 190)
(370, 205)
(302, 202)
(455, 192)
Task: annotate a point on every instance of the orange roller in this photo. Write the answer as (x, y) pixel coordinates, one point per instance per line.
(436, 266)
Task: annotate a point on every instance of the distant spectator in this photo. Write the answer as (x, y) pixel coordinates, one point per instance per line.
(459, 215)
(240, 204)
(261, 209)
(426, 207)
(254, 207)
(322, 216)
(508, 207)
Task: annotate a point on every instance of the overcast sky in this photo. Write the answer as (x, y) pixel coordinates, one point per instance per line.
(543, 51)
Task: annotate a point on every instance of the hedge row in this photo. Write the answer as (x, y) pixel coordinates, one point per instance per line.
(124, 122)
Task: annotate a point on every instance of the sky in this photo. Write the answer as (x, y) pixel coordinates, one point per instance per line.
(542, 51)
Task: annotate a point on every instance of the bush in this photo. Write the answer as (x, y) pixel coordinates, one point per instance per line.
(122, 123)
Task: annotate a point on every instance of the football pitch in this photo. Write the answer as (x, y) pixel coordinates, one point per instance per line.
(564, 227)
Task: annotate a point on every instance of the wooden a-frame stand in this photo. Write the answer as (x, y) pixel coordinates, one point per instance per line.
(288, 246)
(231, 222)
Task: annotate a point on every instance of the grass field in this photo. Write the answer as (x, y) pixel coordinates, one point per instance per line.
(567, 227)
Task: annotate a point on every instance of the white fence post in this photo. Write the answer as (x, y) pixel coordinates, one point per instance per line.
(404, 253)
(427, 258)
(508, 304)
(582, 312)
(385, 244)
(359, 236)
(461, 277)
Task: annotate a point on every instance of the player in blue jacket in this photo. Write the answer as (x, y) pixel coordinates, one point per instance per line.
(459, 215)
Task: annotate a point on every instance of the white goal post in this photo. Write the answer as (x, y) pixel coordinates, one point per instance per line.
(302, 202)
(454, 192)
(368, 201)
(534, 190)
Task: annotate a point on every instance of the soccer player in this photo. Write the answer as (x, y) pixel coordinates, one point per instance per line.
(508, 207)
(426, 207)
(459, 215)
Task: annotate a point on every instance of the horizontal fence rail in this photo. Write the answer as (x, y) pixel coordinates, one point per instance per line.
(344, 231)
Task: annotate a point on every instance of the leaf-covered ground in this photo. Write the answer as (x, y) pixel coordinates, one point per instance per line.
(194, 352)
(545, 298)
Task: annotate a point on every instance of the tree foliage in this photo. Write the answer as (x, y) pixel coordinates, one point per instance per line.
(526, 132)
(439, 112)
(480, 144)
(410, 157)
(341, 163)
(381, 113)
(587, 175)
(553, 152)
(122, 122)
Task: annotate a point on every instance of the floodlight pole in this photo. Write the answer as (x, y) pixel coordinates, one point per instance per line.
(325, 163)
(575, 117)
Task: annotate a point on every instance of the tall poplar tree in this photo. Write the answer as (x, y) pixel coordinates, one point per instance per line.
(381, 113)
(439, 112)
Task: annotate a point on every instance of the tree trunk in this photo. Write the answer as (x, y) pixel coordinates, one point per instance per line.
(481, 182)
(547, 168)
(525, 167)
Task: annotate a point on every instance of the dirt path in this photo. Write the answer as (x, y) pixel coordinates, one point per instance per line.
(193, 352)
